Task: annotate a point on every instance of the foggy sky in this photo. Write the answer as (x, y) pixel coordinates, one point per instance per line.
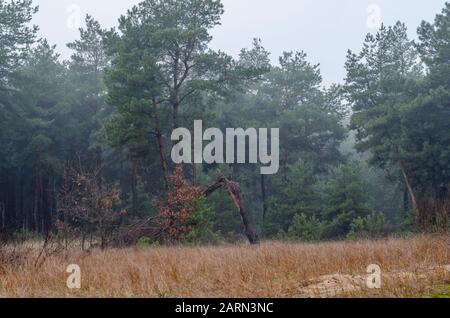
(324, 29)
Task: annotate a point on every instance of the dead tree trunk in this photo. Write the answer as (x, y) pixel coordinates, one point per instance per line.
(236, 194)
(409, 188)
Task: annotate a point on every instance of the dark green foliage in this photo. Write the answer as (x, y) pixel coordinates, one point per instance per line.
(305, 229)
(15, 38)
(425, 138)
(16, 35)
(380, 80)
(293, 193)
(372, 226)
(202, 221)
(346, 199)
(399, 93)
(109, 111)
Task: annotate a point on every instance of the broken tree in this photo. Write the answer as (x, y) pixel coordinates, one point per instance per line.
(236, 194)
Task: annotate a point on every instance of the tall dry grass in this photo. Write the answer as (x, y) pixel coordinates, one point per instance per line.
(410, 267)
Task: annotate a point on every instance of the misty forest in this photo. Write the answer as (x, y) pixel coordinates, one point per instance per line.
(86, 143)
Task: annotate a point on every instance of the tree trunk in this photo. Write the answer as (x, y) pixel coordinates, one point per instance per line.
(176, 92)
(99, 163)
(194, 174)
(405, 201)
(264, 197)
(159, 137)
(412, 195)
(176, 108)
(2, 210)
(36, 203)
(134, 179)
(21, 203)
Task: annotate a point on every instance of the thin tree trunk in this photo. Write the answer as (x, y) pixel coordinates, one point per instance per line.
(99, 159)
(405, 201)
(176, 92)
(176, 108)
(2, 209)
(194, 174)
(159, 137)
(21, 200)
(36, 203)
(134, 179)
(409, 188)
(264, 196)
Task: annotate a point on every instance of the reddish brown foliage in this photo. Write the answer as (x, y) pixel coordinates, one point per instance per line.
(177, 206)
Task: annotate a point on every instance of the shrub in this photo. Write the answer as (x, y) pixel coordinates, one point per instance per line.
(372, 226)
(86, 206)
(346, 200)
(202, 223)
(306, 229)
(144, 241)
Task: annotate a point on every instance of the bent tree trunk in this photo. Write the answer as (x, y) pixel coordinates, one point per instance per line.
(236, 194)
(409, 188)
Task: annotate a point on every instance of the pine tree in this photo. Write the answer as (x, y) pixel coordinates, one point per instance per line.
(381, 79)
(346, 200)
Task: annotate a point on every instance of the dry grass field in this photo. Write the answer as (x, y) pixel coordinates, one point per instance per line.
(412, 267)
